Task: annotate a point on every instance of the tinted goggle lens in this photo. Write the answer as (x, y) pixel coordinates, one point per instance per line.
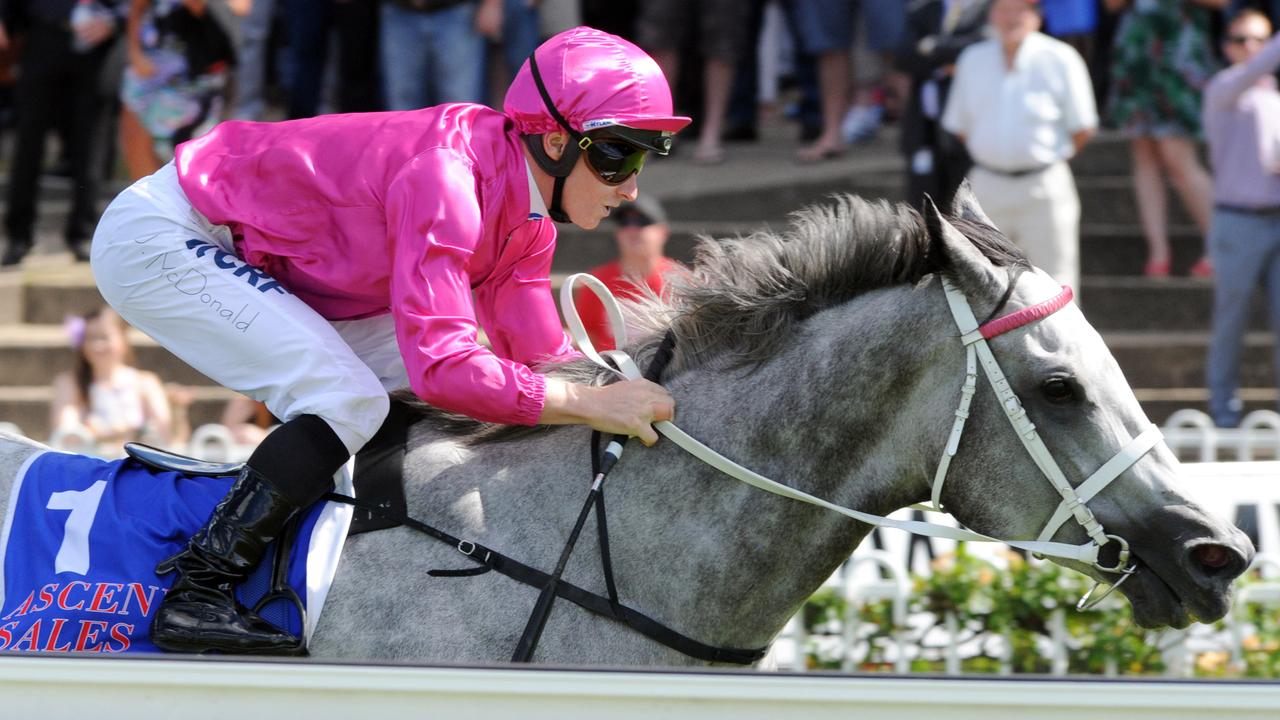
(615, 162)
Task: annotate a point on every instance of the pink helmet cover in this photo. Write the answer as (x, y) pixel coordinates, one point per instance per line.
(596, 80)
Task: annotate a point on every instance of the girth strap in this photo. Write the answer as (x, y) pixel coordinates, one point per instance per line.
(602, 523)
(610, 608)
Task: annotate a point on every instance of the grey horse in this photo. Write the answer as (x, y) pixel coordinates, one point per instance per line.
(824, 357)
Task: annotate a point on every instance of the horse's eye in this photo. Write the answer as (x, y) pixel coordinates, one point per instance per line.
(1057, 390)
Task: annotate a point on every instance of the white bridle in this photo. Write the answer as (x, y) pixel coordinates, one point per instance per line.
(975, 339)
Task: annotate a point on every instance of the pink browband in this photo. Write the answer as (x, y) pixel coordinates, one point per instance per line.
(1027, 315)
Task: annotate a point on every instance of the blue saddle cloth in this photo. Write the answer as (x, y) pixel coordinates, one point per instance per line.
(80, 544)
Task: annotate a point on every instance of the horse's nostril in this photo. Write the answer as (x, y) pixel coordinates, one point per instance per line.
(1212, 557)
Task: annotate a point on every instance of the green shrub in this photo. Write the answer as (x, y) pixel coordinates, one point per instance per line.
(1003, 615)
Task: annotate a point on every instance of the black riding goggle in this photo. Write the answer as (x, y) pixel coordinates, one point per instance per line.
(611, 159)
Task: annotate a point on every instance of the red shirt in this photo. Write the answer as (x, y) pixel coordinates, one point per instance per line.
(622, 286)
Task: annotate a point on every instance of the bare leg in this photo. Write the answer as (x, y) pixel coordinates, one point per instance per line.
(833, 79)
(136, 146)
(1192, 181)
(719, 80)
(1153, 206)
(1194, 187)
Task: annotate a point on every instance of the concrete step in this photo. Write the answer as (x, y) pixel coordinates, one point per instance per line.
(1112, 302)
(33, 354)
(1168, 308)
(1105, 155)
(1170, 305)
(1104, 199)
(1163, 360)
(1103, 196)
(28, 407)
(1106, 249)
(1160, 403)
(1119, 249)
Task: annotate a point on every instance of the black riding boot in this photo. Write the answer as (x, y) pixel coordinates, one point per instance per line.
(200, 611)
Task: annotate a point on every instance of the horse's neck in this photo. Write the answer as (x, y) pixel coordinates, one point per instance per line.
(733, 561)
(706, 554)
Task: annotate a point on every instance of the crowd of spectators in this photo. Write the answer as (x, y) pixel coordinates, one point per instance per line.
(1003, 92)
(154, 73)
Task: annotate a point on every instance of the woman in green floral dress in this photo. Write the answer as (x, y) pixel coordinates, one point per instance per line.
(1161, 61)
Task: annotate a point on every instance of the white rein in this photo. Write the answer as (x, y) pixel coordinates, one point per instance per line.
(975, 340)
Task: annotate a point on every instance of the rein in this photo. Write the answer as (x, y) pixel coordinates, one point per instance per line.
(974, 337)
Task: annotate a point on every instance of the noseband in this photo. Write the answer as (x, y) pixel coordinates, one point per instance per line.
(975, 337)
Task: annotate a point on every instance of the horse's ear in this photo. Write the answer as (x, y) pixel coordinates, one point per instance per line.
(965, 205)
(966, 264)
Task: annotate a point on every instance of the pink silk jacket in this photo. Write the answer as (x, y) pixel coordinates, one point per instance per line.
(412, 213)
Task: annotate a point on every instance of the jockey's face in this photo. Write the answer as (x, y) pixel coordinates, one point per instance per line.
(587, 199)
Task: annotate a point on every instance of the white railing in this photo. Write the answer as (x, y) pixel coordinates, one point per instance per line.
(1192, 436)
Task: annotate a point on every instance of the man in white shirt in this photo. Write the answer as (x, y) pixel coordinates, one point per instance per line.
(1023, 104)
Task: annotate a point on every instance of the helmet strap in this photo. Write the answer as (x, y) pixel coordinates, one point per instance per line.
(558, 169)
(546, 98)
(557, 212)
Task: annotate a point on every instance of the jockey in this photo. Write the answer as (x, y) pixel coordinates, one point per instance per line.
(316, 264)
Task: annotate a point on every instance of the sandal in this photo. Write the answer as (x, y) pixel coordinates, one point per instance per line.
(1202, 269)
(816, 154)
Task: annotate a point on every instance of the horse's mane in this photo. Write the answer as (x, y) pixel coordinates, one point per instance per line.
(745, 295)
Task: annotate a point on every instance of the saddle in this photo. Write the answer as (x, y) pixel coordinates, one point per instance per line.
(378, 477)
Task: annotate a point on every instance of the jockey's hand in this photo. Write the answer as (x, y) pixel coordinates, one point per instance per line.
(626, 408)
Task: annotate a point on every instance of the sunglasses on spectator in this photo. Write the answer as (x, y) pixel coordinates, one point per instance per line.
(633, 219)
(1242, 39)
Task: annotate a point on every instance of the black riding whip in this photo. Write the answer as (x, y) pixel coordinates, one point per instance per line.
(542, 609)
